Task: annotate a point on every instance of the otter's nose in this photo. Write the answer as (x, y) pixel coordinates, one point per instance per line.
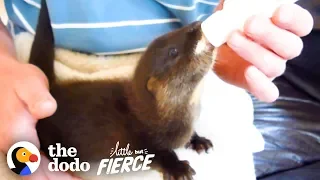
(194, 27)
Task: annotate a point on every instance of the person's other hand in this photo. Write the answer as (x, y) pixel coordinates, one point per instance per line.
(253, 58)
(24, 98)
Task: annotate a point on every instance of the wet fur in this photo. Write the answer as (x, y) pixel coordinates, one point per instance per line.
(155, 110)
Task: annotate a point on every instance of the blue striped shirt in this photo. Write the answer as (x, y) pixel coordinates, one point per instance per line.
(108, 26)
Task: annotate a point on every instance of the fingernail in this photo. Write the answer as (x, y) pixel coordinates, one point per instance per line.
(264, 91)
(46, 105)
(255, 26)
(251, 73)
(285, 15)
(24, 129)
(235, 40)
(273, 94)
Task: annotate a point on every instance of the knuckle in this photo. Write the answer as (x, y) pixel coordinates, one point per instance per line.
(35, 73)
(253, 24)
(280, 68)
(31, 68)
(299, 46)
(305, 19)
(309, 22)
(275, 69)
(293, 50)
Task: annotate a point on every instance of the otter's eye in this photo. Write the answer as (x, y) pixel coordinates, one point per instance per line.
(24, 154)
(173, 52)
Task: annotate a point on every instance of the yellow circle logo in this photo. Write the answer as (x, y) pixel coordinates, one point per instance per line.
(23, 158)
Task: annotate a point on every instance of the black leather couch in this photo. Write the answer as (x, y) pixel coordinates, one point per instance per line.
(291, 125)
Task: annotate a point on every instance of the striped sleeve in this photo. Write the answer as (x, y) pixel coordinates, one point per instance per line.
(189, 11)
(107, 27)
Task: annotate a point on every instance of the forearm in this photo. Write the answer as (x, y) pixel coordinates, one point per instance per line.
(7, 48)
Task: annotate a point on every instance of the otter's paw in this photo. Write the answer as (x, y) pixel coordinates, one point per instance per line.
(181, 170)
(199, 144)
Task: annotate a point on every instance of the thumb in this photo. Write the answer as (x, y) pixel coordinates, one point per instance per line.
(24, 129)
(34, 93)
(19, 125)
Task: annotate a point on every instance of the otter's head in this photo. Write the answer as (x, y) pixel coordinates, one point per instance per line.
(173, 66)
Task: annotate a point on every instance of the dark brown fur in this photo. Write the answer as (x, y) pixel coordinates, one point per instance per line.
(151, 112)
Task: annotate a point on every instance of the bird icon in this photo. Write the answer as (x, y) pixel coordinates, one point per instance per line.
(20, 156)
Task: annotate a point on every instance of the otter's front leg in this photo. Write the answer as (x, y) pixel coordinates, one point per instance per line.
(171, 166)
(199, 143)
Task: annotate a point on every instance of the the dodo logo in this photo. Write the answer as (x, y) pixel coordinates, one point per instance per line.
(23, 158)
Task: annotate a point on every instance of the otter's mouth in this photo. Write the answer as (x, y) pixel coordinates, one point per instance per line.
(203, 45)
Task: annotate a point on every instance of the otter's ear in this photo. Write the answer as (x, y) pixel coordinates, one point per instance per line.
(152, 85)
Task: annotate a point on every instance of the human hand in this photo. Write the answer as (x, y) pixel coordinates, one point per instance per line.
(24, 98)
(253, 58)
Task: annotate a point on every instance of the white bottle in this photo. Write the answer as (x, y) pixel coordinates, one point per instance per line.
(233, 16)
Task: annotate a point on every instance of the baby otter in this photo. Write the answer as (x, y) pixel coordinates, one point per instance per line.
(154, 111)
